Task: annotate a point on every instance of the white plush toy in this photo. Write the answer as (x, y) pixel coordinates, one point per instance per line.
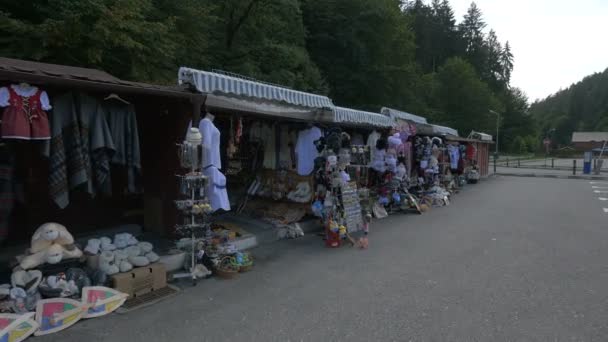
(52, 255)
(135, 256)
(69, 288)
(152, 257)
(93, 247)
(106, 244)
(107, 263)
(121, 240)
(121, 259)
(49, 234)
(147, 251)
(145, 247)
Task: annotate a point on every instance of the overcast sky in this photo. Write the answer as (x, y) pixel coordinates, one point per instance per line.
(555, 42)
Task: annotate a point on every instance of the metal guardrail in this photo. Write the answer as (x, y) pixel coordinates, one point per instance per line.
(545, 164)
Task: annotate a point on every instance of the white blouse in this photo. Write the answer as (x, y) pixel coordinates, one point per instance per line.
(5, 95)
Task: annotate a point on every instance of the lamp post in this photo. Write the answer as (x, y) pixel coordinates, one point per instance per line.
(497, 127)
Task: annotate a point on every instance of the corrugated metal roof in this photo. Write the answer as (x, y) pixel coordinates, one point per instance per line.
(443, 130)
(397, 114)
(451, 137)
(233, 104)
(589, 136)
(214, 83)
(359, 117)
(481, 136)
(16, 70)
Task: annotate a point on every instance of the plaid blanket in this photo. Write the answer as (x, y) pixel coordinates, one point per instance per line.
(69, 164)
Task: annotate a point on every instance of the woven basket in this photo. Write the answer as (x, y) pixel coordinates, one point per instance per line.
(225, 274)
(247, 268)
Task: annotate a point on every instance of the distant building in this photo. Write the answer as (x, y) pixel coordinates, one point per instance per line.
(587, 141)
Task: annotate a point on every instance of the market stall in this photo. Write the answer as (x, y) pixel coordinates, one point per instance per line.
(97, 155)
(267, 144)
(484, 142)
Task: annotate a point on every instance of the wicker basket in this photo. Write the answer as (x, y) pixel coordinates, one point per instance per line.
(226, 274)
(247, 268)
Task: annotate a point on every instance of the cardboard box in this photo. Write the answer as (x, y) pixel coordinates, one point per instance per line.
(141, 280)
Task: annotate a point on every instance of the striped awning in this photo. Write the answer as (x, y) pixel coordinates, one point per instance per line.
(362, 118)
(397, 114)
(214, 83)
(442, 130)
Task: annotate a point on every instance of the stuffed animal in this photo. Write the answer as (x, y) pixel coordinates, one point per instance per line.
(135, 256)
(121, 259)
(52, 255)
(106, 244)
(49, 234)
(146, 250)
(5, 290)
(107, 263)
(93, 247)
(124, 240)
(27, 280)
(68, 287)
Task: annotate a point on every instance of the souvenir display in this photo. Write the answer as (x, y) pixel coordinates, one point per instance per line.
(352, 207)
(196, 208)
(345, 171)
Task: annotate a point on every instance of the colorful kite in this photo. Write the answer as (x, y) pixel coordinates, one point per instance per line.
(101, 300)
(16, 328)
(56, 314)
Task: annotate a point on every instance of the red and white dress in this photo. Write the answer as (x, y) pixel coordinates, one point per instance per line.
(25, 116)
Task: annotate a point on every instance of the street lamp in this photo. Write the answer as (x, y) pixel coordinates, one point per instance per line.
(497, 127)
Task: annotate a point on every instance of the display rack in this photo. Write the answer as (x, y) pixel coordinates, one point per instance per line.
(194, 207)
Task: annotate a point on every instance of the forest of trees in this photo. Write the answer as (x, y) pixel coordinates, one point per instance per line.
(581, 107)
(411, 55)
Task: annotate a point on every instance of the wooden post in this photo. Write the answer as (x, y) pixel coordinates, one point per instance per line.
(574, 167)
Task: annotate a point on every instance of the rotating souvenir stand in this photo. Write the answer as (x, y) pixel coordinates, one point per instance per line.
(195, 207)
(342, 205)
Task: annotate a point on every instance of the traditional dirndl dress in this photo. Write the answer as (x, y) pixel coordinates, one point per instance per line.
(25, 116)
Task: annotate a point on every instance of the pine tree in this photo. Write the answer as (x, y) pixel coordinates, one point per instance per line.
(506, 59)
(495, 66)
(471, 29)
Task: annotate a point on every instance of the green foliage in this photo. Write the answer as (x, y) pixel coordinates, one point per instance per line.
(581, 107)
(532, 143)
(407, 54)
(364, 49)
(464, 98)
(121, 35)
(519, 145)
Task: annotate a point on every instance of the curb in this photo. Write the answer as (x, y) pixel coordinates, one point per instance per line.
(534, 175)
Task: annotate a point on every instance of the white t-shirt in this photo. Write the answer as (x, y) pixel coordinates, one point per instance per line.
(211, 143)
(306, 151)
(371, 143)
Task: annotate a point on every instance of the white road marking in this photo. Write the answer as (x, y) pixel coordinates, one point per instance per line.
(606, 210)
(598, 182)
(602, 198)
(600, 192)
(599, 187)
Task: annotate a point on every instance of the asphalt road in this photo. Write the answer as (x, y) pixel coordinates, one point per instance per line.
(512, 259)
